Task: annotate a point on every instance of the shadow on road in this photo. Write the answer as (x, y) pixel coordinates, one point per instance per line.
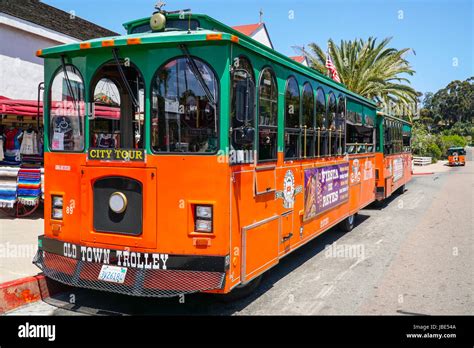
(102, 303)
(383, 204)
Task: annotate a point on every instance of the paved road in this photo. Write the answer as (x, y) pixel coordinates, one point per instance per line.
(414, 255)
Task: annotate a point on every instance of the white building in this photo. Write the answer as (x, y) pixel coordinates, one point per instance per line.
(257, 31)
(25, 27)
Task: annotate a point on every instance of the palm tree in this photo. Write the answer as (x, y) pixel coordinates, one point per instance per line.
(370, 69)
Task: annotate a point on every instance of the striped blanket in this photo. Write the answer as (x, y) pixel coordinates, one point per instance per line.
(8, 186)
(29, 186)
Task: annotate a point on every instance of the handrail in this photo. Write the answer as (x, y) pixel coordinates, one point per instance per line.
(355, 148)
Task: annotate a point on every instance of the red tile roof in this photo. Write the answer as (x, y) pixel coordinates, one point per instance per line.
(248, 29)
(299, 59)
(53, 18)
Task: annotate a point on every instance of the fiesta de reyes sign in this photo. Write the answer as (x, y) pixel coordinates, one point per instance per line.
(325, 188)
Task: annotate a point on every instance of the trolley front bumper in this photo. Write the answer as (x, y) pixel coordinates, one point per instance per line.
(147, 274)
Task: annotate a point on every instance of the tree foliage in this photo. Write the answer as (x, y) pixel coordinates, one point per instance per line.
(369, 68)
(452, 106)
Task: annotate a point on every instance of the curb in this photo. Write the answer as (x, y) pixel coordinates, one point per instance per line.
(20, 292)
(427, 173)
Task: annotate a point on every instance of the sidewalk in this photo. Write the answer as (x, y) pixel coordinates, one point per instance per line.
(438, 167)
(18, 245)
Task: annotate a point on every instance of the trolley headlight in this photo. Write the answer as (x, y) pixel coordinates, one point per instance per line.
(57, 213)
(57, 201)
(57, 207)
(118, 202)
(203, 225)
(203, 218)
(203, 211)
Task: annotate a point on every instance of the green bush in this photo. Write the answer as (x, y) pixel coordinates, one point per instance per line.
(452, 141)
(434, 151)
(436, 146)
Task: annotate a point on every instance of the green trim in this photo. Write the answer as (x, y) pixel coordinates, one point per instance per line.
(369, 113)
(354, 106)
(214, 27)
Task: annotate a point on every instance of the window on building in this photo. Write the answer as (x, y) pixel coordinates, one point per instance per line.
(184, 107)
(321, 124)
(308, 121)
(267, 116)
(66, 110)
(292, 120)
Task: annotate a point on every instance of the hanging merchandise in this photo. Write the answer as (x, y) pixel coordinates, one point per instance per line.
(12, 145)
(29, 143)
(2, 156)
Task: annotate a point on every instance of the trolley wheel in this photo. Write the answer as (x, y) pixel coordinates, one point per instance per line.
(9, 211)
(401, 189)
(22, 210)
(242, 291)
(348, 224)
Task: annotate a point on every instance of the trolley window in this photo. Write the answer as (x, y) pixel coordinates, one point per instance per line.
(308, 120)
(66, 109)
(242, 111)
(340, 125)
(117, 121)
(332, 131)
(267, 116)
(321, 124)
(292, 120)
(360, 139)
(184, 119)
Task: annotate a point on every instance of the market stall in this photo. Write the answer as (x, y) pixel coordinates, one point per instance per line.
(21, 156)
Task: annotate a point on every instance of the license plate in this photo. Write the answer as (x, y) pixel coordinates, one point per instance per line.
(113, 274)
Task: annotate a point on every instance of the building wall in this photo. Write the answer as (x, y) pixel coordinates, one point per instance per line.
(262, 37)
(20, 70)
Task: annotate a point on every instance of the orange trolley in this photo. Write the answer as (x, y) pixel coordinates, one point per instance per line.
(185, 157)
(456, 156)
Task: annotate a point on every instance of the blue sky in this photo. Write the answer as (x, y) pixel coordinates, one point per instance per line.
(440, 31)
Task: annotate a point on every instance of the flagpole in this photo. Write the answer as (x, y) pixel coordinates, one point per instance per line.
(327, 57)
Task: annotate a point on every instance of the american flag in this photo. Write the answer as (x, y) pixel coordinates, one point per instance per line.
(332, 69)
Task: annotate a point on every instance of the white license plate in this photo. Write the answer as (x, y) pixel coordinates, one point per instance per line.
(113, 274)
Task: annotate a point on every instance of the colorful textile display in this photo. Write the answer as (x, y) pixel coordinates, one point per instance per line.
(8, 186)
(29, 186)
(42, 183)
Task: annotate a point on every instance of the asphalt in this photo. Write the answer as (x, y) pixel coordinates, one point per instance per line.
(411, 256)
(18, 244)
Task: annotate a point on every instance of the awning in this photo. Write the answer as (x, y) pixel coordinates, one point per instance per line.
(19, 107)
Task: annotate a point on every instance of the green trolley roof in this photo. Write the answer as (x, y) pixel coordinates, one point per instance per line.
(212, 30)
